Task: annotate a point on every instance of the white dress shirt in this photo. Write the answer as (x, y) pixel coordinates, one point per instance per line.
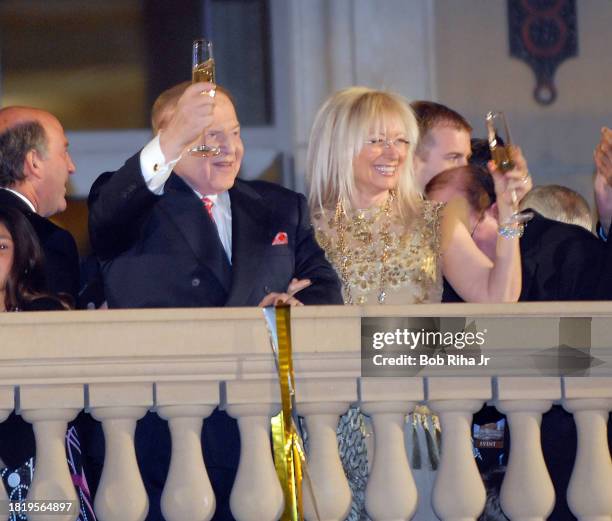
(156, 171)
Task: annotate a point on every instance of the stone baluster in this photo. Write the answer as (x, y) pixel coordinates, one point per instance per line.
(7, 404)
(49, 408)
(458, 490)
(527, 493)
(391, 492)
(589, 493)
(121, 493)
(256, 494)
(321, 402)
(187, 493)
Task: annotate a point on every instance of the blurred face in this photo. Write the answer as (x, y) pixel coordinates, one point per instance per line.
(378, 165)
(443, 147)
(54, 168)
(6, 258)
(217, 174)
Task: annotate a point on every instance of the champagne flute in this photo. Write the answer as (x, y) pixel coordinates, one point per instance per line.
(203, 69)
(498, 136)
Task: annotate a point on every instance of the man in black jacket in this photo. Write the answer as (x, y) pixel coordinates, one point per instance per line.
(175, 229)
(34, 169)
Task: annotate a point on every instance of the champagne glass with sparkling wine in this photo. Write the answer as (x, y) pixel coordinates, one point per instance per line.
(498, 136)
(203, 69)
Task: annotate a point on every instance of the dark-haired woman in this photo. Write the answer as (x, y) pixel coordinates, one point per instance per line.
(23, 288)
(22, 276)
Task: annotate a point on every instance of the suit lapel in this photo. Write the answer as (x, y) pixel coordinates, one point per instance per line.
(251, 223)
(183, 207)
(10, 199)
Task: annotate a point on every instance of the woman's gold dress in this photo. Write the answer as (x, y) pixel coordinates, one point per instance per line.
(382, 258)
(356, 243)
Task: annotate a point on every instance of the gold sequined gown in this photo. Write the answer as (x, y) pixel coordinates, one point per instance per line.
(383, 258)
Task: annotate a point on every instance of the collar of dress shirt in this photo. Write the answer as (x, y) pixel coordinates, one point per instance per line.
(22, 197)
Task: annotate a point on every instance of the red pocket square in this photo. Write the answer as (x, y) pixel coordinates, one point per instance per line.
(280, 238)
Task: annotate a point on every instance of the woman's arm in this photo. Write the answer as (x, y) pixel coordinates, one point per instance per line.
(474, 276)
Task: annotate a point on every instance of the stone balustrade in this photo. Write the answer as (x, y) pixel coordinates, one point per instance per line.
(183, 363)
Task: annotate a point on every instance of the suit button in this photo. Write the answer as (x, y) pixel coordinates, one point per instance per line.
(195, 282)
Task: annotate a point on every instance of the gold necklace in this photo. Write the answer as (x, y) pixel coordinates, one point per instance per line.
(345, 255)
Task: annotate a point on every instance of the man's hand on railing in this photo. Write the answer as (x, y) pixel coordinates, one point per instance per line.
(274, 298)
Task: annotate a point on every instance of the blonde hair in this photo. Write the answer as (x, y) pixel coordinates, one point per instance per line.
(340, 131)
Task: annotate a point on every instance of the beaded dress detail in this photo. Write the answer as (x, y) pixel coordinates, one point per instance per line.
(383, 259)
(365, 246)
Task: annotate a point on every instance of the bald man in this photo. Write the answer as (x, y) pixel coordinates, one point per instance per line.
(34, 170)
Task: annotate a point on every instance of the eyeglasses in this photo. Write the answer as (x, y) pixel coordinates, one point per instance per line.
(399, 143)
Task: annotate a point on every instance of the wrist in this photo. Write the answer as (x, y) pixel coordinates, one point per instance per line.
(505, 212)
(511, 230)
(170, 147)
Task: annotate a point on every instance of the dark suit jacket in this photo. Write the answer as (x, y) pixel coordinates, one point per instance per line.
(61, 256)
(559, 262)
(164, 251)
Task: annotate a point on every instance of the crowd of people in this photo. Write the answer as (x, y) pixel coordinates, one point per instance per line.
(404, 208)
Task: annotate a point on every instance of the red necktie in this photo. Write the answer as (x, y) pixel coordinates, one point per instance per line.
(208, 204)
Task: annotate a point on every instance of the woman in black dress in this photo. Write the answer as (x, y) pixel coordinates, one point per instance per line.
(23, 287)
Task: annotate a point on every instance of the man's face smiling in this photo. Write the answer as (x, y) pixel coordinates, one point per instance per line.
(443, 147)
(216, 174)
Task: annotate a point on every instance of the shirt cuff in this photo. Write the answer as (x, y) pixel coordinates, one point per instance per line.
(155, 170)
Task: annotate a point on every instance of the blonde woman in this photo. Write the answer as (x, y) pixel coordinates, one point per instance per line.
(388, 244)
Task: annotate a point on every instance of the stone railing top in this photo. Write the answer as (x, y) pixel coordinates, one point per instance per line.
(216, 344)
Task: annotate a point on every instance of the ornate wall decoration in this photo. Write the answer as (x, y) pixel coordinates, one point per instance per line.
(543, 33)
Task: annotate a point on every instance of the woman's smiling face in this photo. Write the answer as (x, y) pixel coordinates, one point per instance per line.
(380, 161)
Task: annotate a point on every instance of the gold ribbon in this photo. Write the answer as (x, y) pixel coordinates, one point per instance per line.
(287, 454)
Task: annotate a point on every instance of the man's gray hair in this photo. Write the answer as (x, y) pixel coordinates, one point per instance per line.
(560, 204)
(15, 143)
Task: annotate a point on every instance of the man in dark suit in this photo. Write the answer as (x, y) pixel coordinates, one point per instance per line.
(175, 229)
(150, 224)
(34, 169)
